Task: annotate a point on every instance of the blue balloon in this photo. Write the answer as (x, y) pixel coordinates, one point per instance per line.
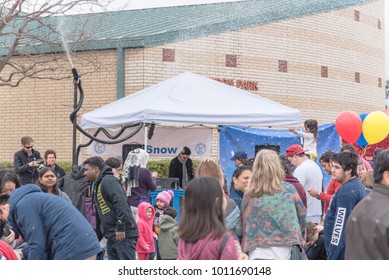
(361, 140)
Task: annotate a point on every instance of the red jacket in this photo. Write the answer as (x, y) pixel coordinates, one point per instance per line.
(332, 188)
(145, 228)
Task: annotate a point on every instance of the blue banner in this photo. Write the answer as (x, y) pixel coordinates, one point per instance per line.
(234, 139)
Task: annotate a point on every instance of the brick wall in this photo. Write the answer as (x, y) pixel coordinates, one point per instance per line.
(41, 108)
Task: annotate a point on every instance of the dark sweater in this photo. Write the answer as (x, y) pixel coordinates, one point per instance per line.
(146, 184)
(237, 196)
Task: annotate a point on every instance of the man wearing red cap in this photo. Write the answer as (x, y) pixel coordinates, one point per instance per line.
(310, 176)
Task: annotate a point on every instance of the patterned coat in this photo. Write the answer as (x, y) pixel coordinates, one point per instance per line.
(273, 220)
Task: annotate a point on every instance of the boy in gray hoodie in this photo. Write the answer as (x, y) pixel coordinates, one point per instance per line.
(168, 235)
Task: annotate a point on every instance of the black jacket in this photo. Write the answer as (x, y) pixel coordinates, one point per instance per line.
(318, 250)
(58, 170)
(27, 174)
(113, 207)
(175, 170)
(75, 185)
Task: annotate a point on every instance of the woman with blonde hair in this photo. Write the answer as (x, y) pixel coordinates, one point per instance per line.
(273, 214)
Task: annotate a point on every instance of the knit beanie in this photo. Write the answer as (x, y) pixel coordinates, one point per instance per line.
(165, 197)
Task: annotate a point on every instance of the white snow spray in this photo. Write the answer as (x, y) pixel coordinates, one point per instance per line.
(60, 29)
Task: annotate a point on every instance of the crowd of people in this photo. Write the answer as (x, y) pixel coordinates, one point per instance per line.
(276, 207)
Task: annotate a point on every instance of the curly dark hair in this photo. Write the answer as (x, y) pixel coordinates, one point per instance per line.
(327, 156)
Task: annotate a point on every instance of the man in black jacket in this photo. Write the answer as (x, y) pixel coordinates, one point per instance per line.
(117, 223)
(27, 161)
(181, 167)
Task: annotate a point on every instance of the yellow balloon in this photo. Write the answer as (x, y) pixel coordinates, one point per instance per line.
(375, 127)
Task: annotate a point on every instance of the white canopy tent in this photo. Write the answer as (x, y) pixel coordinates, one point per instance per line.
(191, 99)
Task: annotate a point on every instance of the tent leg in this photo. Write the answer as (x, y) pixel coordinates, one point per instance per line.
(146, 133)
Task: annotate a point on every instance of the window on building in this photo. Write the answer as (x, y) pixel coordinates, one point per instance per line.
(357, 77)
(282, 66)
(379, 24)
(324, 71)
(168, 55)
(356, 15)
(231, 60)
(379, 82)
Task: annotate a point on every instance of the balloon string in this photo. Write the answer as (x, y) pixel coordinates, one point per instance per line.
(364, 151)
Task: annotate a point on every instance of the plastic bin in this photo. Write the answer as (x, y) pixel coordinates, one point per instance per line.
(175, 203)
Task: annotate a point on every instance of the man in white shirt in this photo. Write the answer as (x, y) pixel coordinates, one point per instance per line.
(310, 176)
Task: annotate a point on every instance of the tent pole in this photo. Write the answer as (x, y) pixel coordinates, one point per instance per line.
(146, 134)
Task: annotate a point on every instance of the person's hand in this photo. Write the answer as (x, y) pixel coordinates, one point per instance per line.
(319, 228)
(120, 235)
(155, 236)
(147, 247)
(154, 174)
(291, 129)
(10, 238)
(20, 253)
(243, 257)
(34, 164)
(313, 193)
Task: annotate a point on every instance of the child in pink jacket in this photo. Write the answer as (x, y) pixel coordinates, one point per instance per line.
(145, 244)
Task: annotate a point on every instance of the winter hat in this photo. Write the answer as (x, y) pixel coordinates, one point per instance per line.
(165, 197)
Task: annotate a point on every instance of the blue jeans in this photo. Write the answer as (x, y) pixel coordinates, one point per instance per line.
(122, 250)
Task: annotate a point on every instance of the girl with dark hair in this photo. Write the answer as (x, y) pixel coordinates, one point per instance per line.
(203, 232)
(240, 180)
(6, 245)
(47, 180)
(310, 137)
(289, 178)
(209, 168)
(8, 181)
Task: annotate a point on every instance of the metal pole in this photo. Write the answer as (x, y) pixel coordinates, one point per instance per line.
(146, 132)
(74, 157)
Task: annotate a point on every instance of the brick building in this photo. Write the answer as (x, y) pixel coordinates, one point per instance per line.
(321, 58)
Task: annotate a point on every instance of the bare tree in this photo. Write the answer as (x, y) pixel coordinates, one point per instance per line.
(34, 35)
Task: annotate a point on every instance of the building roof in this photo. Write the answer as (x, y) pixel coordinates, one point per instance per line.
(158, 26)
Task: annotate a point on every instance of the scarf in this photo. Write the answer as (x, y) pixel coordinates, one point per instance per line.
(184, 182)
(135, 160)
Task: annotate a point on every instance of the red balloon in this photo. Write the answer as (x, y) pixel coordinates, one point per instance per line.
(349, 126)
